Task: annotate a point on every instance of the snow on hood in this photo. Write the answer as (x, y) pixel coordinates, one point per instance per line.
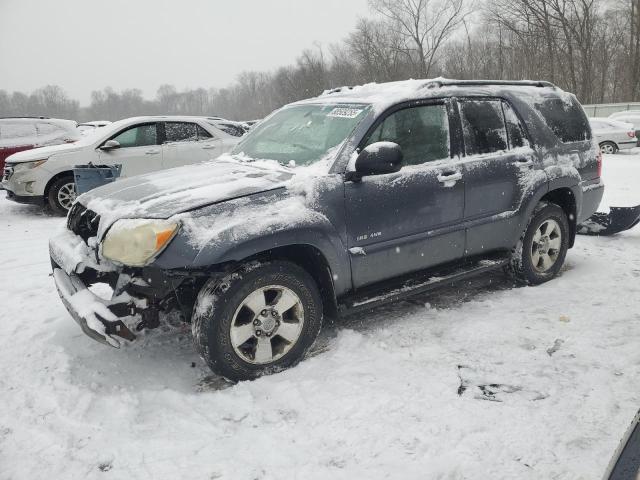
(169, 192)
(43, 152)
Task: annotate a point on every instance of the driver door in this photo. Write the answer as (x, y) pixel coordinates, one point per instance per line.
(139, 151)
(412, 219)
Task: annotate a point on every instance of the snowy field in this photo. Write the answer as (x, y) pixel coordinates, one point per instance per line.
(478, 381)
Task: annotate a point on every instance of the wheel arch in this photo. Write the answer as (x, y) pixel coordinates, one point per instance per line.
(64, 173)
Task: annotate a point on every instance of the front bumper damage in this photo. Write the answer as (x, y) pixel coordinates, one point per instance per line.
(138, 295)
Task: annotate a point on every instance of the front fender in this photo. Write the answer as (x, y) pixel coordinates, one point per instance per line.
(235, 230)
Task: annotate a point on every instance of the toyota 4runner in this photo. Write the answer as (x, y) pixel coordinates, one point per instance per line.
(360, 196)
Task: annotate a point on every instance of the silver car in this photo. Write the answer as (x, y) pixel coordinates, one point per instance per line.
(613, 135)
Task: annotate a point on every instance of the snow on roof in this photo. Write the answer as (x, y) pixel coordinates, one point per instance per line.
(382, 95)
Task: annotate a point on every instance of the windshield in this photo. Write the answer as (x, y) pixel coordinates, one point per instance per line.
(302, 133)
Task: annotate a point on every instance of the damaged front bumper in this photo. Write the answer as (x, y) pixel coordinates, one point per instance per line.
(96, 316)
(138, 295)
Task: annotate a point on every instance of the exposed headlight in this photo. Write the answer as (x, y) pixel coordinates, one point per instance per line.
(21, 166)
(135, 242)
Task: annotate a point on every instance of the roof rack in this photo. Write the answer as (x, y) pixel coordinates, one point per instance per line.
(521, 83)
(337, 90)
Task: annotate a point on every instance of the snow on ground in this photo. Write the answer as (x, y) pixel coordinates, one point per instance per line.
(478, 381)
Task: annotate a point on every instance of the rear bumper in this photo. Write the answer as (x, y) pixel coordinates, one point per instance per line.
(591, 197)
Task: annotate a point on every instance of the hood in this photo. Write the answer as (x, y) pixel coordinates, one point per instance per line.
(169, 192)
(43, 152)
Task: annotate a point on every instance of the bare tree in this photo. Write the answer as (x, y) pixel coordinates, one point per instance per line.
(425, 26)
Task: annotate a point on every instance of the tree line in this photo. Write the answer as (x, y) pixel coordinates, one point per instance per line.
(588, 47)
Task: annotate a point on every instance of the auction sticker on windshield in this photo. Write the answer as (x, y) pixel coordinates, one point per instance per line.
(343, 112)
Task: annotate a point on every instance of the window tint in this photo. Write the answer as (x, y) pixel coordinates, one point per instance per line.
(140, 136)
(483, 126)
(203, 134)
(180, 132)
(517, 137)
(421, 132)
(565, 118)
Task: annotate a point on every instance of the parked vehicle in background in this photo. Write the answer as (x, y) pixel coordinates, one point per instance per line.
(613, 135)
(625, 464)
(25, 133)
(89, 127)
(140, 145)
(332, 205)
(235, 129)
(629, 116)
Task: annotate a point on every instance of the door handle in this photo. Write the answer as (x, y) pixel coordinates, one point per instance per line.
(152, 152)
(449, 178)
(209, 147)
(523, 163)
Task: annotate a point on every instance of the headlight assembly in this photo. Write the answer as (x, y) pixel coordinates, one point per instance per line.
(135, 242)
(21, 166)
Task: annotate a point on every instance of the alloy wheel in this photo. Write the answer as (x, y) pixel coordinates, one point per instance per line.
(67, 195)
(546, 246)
(267, 324)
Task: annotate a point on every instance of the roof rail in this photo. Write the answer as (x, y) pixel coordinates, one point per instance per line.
(522, 83)
(336, 90)
(39, 118)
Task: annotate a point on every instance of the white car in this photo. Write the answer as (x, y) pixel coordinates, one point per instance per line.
(613, 135)
(628, 116)
(141, 145)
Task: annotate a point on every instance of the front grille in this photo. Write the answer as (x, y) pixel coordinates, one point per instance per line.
(8, 171)
(83, 222)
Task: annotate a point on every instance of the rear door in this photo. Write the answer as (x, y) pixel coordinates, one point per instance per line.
(497, 160)
(185, 143)
(410, 220)
(139, 150)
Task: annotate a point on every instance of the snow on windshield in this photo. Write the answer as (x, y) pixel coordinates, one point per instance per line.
(303, 134)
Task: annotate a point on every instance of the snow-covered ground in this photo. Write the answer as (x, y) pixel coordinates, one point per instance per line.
(478, 381)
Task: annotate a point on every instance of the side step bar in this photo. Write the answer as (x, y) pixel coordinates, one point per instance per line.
(371, 297)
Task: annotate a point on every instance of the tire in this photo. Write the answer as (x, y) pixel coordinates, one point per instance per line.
(609, 148)
(541, 251)
(59, 197)
(222, 320)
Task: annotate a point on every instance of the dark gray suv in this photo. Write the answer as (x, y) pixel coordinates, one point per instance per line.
(360, 196)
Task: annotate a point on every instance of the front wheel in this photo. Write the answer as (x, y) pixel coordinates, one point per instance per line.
(258, 320)
(62, 194)
(542, 249)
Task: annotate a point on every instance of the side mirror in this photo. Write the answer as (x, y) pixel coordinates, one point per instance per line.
(110, 145)
(377, 159)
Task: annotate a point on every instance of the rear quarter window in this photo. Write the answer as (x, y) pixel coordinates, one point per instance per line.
(565, 118)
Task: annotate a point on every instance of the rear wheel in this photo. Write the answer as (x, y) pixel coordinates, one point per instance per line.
(258, 320)
(541, 251)
(608, 147)
(62, 194)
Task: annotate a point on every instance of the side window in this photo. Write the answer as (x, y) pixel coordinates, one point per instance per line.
(483, 126)
(233, 130)
(180, 132)
(517, 137)
(203, 134)
(421, 132)
(565, 118)
(138, 136)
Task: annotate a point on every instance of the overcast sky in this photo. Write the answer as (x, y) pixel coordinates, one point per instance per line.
(84, 45)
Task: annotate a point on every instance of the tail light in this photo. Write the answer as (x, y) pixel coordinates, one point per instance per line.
(631, 134)
(599, 158)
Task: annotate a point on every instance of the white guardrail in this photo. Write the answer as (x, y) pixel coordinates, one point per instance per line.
(606, 109)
